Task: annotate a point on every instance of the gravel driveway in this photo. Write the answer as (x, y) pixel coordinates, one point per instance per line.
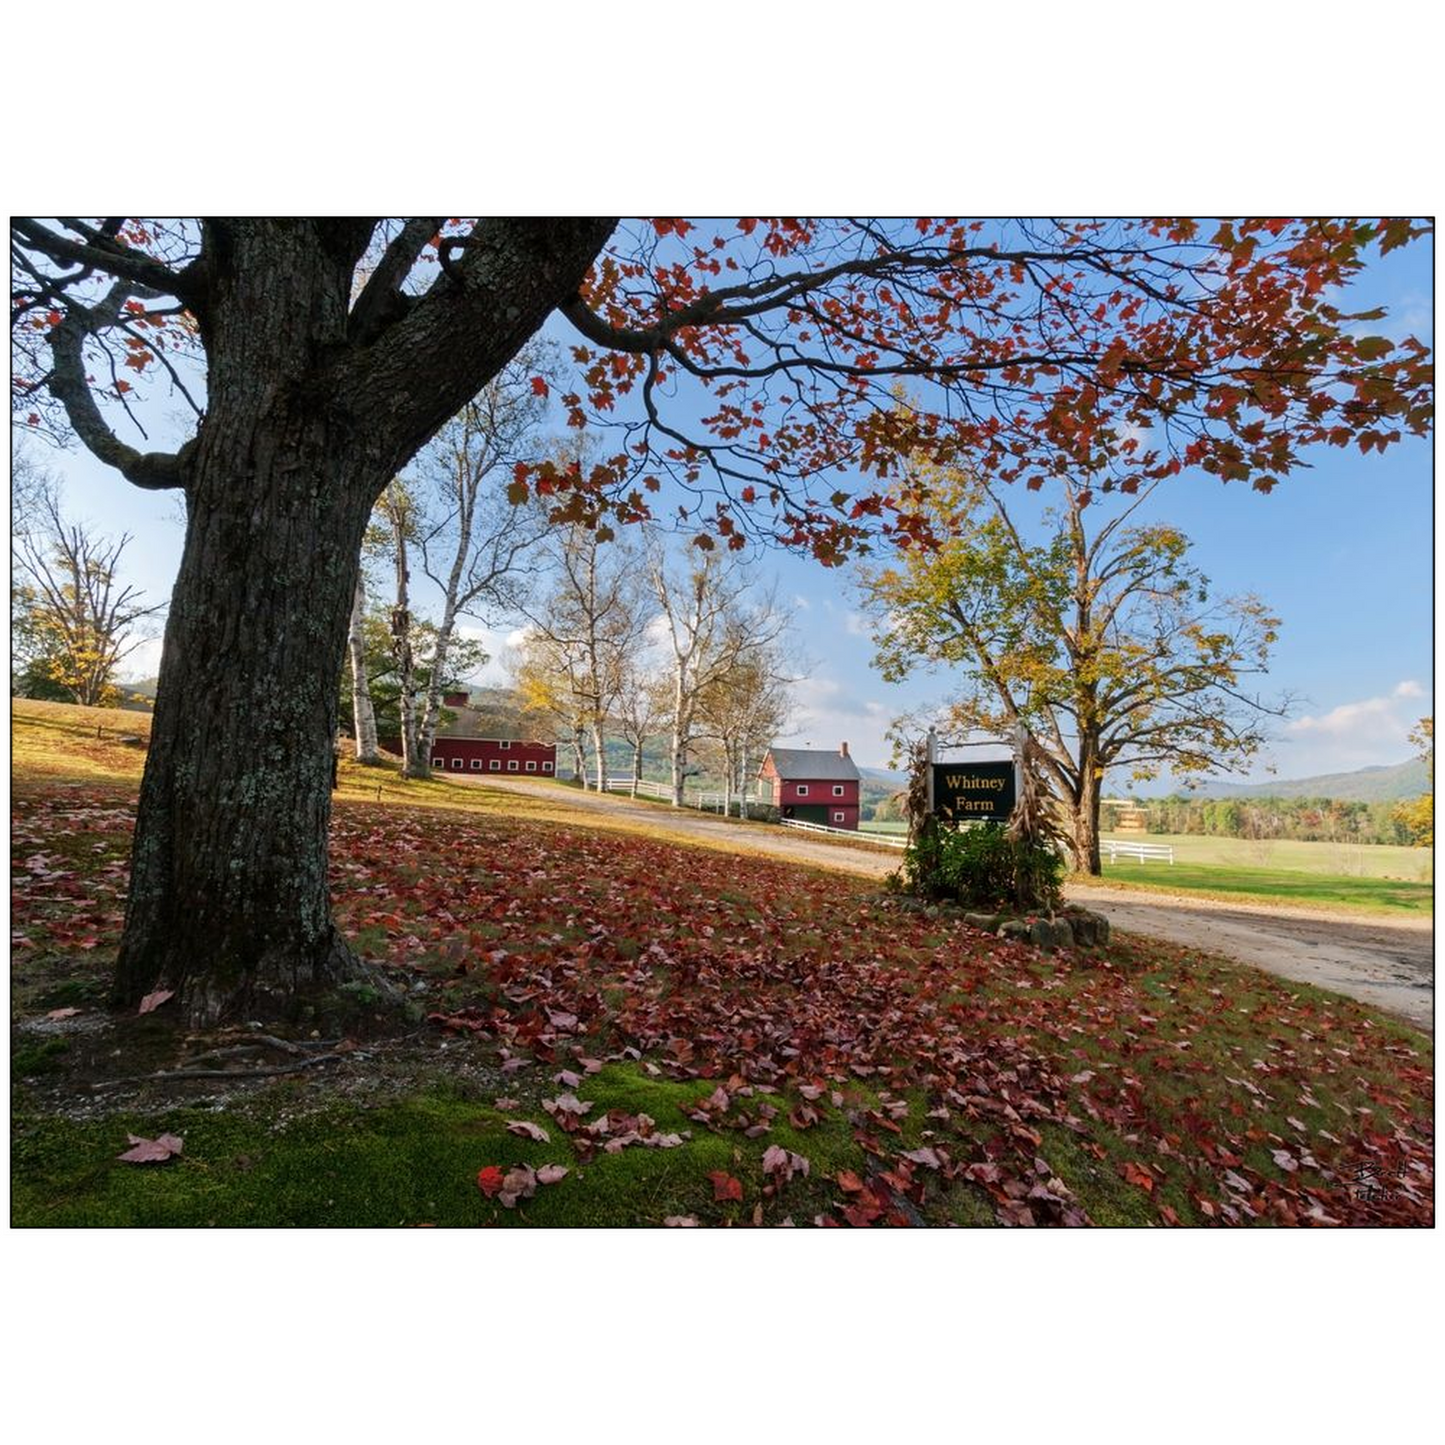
(1387, 962)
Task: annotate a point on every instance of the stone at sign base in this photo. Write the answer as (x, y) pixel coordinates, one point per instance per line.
(1076, 929)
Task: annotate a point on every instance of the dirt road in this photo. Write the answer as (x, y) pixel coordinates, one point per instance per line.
(1387, 962)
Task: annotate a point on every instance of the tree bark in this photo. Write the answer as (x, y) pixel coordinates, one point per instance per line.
(363, 715)
(229, 901)
(599, 754)
(1084, 821)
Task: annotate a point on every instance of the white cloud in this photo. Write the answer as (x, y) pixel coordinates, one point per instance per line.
(1369, 732)
(825, 715)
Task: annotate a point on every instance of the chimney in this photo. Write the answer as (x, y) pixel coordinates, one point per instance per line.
(843, 750)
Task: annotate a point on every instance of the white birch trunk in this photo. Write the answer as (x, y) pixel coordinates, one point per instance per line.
(362, 713)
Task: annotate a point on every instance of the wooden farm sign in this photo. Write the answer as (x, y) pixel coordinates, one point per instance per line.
(974, 792)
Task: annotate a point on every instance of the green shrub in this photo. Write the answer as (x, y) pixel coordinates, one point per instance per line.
(982, 867)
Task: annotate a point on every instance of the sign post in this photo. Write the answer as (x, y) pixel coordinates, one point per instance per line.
(931, 759)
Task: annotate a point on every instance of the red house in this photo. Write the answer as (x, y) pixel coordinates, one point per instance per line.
(455, 752)
(811, 785)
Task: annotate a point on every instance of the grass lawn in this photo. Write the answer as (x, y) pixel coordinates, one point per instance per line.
(1277, 885)
(611, 1027)
(1346, 860)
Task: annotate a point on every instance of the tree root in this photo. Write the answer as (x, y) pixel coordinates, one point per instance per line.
(167, 1076)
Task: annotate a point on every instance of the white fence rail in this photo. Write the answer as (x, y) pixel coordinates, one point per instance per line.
(1160, 852)
(886, 839)
(644, 788)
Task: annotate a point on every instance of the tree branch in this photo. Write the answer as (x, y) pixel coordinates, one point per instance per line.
(152, 471)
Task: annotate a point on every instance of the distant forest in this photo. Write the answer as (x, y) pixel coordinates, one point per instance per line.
(1308, 820)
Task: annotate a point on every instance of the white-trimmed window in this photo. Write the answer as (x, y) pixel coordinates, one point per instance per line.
(496, 765)
(504, 744)
(456, 764)
(802, 790)
(840, 817)
(511, 765)
(477, 764)
(531, 765)
(437, 761)
(838, 790)
(546, 767)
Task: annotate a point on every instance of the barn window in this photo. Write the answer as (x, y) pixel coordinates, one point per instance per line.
(837, 790)
(437, 761)
(456, 763)
(546, 767)
(477, 764)
(802, 790)
(512, 765)
(504, 745)
(531, 767)
(496, 765)
(839, 817)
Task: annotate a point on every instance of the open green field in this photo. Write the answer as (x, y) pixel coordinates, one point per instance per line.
(605, 1026)
(1340, 860)
(1277, 885)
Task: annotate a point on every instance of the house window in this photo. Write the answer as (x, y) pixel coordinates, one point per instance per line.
(496, 765)
(477, 764)
(839, 817)
(512, 765)
(802, 790)
(504, 745)
(531, 767)
(837, 790)
(456, 764)
(546, 767)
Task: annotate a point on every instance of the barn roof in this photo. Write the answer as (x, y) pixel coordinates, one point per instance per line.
(826, 764)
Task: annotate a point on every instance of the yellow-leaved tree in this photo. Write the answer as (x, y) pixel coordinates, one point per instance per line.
(1104, 642)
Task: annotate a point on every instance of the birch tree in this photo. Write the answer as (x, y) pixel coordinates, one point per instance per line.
(477, 547)
(709, 628)
(363, 714)
(591, 619)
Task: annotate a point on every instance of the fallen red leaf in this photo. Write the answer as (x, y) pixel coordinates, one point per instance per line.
(151, 1151)
(153, 1001)
(489, 1180)
(725, 1187)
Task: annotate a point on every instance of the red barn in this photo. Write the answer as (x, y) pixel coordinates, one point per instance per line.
(494, 755)
(455, 752)
(811, 785)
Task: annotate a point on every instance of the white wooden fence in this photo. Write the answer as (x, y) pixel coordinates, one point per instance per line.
(662, 791)
(888, 840)
(1160, 852)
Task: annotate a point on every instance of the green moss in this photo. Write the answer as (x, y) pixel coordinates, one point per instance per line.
(40, 1057)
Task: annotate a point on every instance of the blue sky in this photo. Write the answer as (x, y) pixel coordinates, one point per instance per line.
(1341, 552)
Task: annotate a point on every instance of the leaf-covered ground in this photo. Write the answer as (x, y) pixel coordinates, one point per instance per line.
(611, 1029)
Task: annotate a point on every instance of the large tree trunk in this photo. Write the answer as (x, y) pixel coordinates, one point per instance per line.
(363, 715)
(229, 901)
